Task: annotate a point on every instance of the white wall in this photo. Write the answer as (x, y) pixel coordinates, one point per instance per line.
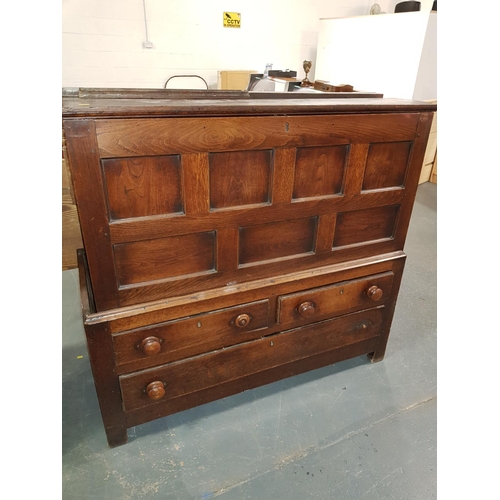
(377, 53)
(102, 39)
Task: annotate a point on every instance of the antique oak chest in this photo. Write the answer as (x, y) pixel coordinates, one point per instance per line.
(232, 242)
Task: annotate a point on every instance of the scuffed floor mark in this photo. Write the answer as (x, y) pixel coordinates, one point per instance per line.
(399, 470)
(292, 458)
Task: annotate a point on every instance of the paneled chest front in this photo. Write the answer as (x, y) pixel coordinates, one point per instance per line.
(231, 243)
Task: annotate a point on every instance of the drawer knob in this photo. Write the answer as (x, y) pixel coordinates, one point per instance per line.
(242, 320)
(155, 390)
(374, 292)
(150, 346)
(306, 309)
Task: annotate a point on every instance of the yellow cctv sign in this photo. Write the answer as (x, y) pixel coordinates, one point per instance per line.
(232, 19)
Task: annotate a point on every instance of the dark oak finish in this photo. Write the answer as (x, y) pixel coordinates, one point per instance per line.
(233, 242)
(239, 361)
(138, 187)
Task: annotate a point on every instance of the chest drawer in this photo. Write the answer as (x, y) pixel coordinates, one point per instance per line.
(189, 376)
(333, 300)
(173, 340)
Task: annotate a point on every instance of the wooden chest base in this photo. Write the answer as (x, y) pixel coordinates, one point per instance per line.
(159, 358)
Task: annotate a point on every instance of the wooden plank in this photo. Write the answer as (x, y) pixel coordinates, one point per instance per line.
(356, 168)
(227, 249)
(249, 382)
(430, 152)
(195, 180)
(326, 231)
(283, 175)
(412, 178)
(71, 236)
(434, 172)
(89, 193)
(285, 103)
(150, 227)
(101, 354)
(153, 136)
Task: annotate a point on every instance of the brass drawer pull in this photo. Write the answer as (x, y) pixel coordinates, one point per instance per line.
(155, 390)
(375, 293)
(242, 320)
(307, 309)
(150, 346)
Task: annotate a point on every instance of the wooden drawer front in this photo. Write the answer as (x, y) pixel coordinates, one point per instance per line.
(189, 376)
(337, 299)
(185, 337)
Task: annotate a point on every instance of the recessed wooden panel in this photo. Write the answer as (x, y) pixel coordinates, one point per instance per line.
(277, 240)
(239, 178)
(162, 258)
(138, 187)
(386, 165)
(319, 171)
(366, 225)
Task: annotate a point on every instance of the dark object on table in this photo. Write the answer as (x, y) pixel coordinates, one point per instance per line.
(282, 74)
(328, 87)
(307, 67)
(434, 6)
(409, 6)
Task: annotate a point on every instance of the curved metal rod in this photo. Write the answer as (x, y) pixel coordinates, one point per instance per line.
(187, 76)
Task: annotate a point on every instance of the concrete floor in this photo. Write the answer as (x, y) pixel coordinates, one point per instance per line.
(353, 430)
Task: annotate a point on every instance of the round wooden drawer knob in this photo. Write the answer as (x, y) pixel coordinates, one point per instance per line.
(150, 346)
(306, 309)
(374, 292)
(155, 390)
(242, 320)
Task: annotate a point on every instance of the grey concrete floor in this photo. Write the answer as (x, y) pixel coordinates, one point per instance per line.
(353, 430)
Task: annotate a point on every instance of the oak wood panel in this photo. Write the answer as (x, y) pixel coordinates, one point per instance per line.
(143, 186)
(127, 93)
(196, 183)
(227, 249)
(412, 177)
(71, 236)
(276, 240)
(337, 299)
(185, 304)
(167, 289)
(365, 225)
(185, 377)
(101, 355)
(162, 409)
(155, 136)
(283, 175)
(379, 353)
(386, 165)
(89, 194)
(326, 231)
(240, 178)
(292, 105)
(162, 226)
(164, 258)
(319, 171)
(187, 337)
(355, 169)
